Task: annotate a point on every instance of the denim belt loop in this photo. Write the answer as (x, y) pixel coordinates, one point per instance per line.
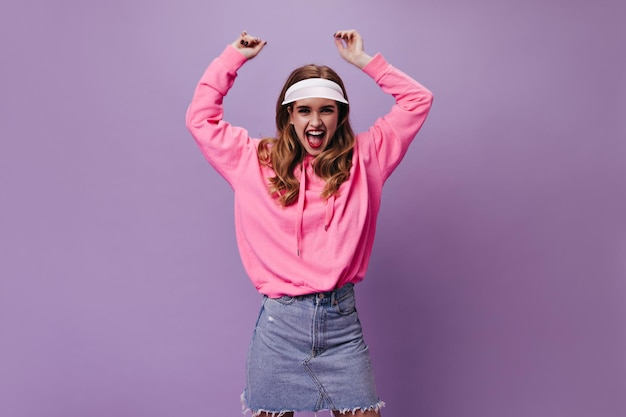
(334, 297)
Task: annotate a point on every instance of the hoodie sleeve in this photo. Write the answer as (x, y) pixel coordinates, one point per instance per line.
(392, 134)
(223, 145)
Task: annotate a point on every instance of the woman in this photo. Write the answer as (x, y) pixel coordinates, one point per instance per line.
(306, 204)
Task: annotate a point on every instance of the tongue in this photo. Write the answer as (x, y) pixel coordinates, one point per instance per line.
(314, 141)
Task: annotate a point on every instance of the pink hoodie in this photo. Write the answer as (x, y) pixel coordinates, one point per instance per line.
(313, 245)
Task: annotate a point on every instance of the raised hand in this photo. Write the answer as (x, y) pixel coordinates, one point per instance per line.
(248, 45)
(350, 46)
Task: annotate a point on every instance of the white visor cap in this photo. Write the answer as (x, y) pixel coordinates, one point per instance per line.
(314, 88)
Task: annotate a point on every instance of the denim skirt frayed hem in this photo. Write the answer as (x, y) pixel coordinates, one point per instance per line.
(376, 407)
(308, 354)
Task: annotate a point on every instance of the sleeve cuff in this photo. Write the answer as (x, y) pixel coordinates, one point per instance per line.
(232, 58)
(376, 67)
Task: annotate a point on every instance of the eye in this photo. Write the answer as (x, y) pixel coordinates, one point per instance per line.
(328, 110)
(303, 110)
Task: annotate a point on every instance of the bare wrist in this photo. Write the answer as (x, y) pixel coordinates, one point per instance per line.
(362, 60)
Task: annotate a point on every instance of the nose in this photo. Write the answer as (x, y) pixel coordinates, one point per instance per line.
(316, 120)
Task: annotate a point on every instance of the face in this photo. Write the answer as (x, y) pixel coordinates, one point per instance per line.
(315, 122)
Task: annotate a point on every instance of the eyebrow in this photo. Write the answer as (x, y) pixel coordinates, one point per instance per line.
(329, 106)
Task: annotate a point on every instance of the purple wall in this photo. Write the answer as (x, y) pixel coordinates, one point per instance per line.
(498, 282)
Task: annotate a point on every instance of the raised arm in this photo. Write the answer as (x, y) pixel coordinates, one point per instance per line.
(393, 133)
(222, 145)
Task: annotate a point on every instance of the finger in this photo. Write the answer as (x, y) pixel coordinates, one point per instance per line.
(249, 40)
(341, 33)
(254, 42)
(260, 46)
(239, 42)
(340, 45)
(342, 40)
(345, 34)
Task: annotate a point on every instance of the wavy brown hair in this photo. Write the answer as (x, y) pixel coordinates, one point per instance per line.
(284, 153)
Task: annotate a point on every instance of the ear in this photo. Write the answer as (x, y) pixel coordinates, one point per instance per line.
(290, 111)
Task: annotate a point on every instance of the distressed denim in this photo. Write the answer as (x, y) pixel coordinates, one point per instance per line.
(308, 354)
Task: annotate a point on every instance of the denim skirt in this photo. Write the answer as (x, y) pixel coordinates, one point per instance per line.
(308, 354)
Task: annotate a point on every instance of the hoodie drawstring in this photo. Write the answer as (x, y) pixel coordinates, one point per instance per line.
(330, 207)
(300, 213)
(330, 210)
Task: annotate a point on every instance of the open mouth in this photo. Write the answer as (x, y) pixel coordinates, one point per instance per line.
(315, 138)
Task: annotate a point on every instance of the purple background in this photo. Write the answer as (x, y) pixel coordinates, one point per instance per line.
(498, 281)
